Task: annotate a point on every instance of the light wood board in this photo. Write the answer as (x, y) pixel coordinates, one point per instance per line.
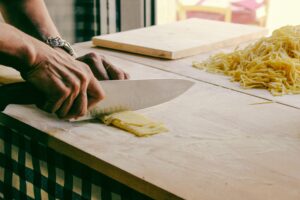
(220, 145)
(180, 39)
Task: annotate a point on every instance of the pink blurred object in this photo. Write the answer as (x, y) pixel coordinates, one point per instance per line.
(243, 12)
(248, 4)
(205, 15)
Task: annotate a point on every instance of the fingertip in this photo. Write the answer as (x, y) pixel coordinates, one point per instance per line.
(127, 76)
(79, 107)
(96, 93)
(48, 107)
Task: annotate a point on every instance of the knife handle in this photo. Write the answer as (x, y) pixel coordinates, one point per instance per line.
(19, 93)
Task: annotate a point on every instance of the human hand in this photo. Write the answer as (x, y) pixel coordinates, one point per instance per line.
(102, 68)
(68, 85)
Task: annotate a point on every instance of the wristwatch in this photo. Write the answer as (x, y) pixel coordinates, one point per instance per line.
(58, 42)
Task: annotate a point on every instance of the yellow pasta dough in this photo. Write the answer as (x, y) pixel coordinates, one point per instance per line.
(134, 123)
(272, 63)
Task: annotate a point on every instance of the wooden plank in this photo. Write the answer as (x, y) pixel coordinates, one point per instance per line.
(219, 146)
(180, 39)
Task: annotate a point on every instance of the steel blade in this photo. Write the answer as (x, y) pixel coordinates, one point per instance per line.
(137, 94)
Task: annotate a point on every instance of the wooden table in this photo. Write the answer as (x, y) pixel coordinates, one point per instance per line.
(221, 144)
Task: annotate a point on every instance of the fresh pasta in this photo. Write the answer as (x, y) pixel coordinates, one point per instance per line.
(272, 63)
(134, 123)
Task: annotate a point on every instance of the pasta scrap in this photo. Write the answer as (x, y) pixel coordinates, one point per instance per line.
(134, 123)
(272, 63)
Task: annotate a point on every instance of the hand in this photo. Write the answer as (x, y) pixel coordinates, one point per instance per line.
(68, 85)
(102, 68)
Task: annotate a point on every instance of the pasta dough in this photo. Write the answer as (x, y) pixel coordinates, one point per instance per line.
(272, 63)
(134, 123)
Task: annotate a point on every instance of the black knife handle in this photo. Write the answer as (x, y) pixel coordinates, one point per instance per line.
(19, 93)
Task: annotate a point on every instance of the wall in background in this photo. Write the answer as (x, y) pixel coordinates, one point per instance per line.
(137, 13)
(62, 13)
(166, 11)
(80, 20)
(283, 13)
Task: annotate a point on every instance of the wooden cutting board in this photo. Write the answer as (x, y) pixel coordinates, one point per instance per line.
(180, 39)
(220, 144)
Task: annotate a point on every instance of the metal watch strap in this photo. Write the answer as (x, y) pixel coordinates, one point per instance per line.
(58, 42)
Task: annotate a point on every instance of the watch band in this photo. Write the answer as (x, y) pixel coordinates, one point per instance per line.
(58, 42)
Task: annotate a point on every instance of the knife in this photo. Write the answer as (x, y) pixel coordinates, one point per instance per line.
(119, 94)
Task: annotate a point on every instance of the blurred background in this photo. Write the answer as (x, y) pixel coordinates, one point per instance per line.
(267, 13)
(79, 20)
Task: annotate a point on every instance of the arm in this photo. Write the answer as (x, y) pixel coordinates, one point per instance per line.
(30, 16)
(16, 48)
(68, 85)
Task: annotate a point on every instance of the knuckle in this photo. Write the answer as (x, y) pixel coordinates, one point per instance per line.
(58, 93)
(83, 77)
(102, 57)
(93, 56)
(64, 93)
(76, 88)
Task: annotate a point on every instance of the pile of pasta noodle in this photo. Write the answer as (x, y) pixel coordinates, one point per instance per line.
(272, 63)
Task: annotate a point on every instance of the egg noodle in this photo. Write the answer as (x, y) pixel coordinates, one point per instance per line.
(272, 63)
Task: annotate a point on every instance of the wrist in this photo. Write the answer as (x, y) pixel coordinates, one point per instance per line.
(29, 52)
(26, 52)
(34, 52)
(19, 50)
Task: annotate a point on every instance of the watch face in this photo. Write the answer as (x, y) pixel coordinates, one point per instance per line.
(58, 42)
(55, 42)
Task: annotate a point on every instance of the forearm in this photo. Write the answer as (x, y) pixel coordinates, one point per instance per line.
(30, 16)
(17, 49)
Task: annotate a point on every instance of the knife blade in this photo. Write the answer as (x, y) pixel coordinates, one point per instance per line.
(138, 94)
(119, 94)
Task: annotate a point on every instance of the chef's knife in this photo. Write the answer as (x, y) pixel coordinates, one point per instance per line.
(119, 94)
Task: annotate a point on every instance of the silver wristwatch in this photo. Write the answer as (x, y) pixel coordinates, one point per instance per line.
(58, 42)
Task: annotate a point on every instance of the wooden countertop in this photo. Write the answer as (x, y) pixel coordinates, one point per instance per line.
(220, 145)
